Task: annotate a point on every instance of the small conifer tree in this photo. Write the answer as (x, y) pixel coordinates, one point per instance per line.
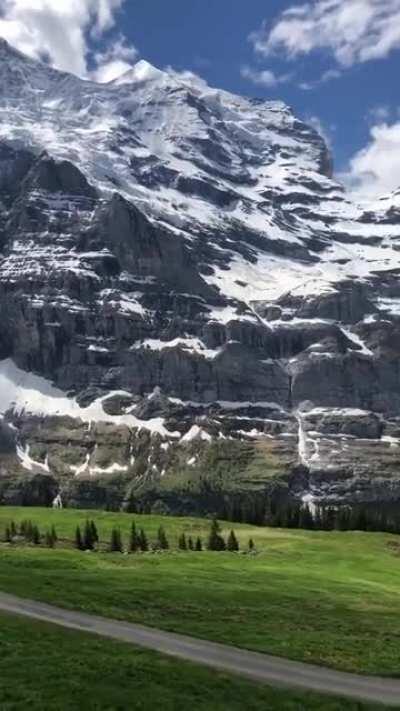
(199, 545)
(182, 543)
(49, 540)
(162, 541)
(29, 531)
(144, 544)
(232, 544)
(306, 520)
(251, 545)
(116, 541)
(13, 529)
(94, 533)
(54, 534)
(88, 543)
(190, 543)
(134, 539)
(36, 537)
(78, 539)
(7, 535)
(215, 540)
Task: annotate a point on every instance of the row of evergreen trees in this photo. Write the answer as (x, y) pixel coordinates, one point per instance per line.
(283, 515)
(329, 518)
(30, 532)
(138, 540)
(357, 517)
(87, 538)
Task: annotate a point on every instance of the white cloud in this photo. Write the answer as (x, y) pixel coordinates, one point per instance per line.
(351, 30)
(324, 78)
(378, 114)
(375, 169)
(62, 31)
(321, 128)
(114, 61)
(264, 77)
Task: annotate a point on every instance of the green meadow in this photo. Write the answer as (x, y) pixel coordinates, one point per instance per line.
(331, 598)
(45, 668)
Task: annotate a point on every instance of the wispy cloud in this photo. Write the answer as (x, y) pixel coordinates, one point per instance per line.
(323, 79)
(64, 32)
(114, 61)
(264, 77)
(323, 130)
(351, 30)
(378, 114)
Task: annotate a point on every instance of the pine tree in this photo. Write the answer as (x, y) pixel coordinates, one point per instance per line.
(306, 520)
(49, 540)
(318, 523)
(13, 529)
(94, 533)
(134, 539)
(251, 545)
(182, 544)
(293, 516)
(7, 535)
(29, 531)
(54, 534)
(383, 525)
(143, 542)
(116, 541)
(162, 541)
(190, 543)
(22, 528)
(88, 543)
(215, 540)
(342, 522)
(232, 544)
(78, 539)
(328, 518)
(36, 536)
(360, 520)
(199, 545)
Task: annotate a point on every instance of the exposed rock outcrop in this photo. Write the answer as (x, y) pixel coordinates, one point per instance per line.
(163, 291)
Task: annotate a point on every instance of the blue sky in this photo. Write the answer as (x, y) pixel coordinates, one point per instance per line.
(336, 62)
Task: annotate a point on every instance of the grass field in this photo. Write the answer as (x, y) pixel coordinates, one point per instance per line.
(66, 671)
(329, 598)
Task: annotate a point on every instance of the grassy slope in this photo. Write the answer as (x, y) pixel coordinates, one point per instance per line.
(330, 598)
(65, 671)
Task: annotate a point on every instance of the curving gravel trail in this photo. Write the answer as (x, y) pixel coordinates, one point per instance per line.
(254, 665)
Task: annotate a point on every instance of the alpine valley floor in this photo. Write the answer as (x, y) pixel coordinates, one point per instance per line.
(328, 598)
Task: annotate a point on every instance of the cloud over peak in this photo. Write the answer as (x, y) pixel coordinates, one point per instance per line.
(62, 32)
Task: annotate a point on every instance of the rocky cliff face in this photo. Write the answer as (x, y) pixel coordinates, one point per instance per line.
(178, 268)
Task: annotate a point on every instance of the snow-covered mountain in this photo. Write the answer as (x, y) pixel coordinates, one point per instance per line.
(177, 266)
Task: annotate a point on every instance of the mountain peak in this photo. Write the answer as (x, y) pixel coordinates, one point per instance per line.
(141, 71)
(7, 49)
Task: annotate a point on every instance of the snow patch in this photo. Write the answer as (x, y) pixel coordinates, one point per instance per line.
(30, 464)
(25, 392)
(196, 432)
